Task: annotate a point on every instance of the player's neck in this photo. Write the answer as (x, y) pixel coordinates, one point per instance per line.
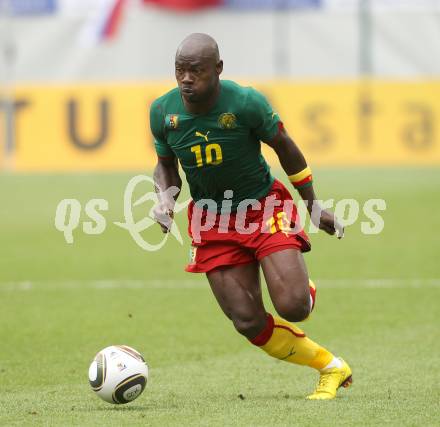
(205, 106)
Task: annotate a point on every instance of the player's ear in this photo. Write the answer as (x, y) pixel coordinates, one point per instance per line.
(219, 67)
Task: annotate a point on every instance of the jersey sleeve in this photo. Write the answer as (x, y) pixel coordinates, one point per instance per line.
(263, 120)
(157, 125)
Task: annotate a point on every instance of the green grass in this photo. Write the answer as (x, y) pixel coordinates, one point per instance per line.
(60, 304)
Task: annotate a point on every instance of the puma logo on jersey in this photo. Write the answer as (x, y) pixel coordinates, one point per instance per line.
(205, 137)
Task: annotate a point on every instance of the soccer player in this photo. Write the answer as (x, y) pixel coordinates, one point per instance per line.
(214, 129)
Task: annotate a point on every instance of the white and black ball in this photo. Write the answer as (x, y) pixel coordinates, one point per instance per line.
(118, 374)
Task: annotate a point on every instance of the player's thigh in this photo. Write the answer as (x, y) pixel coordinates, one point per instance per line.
(288, 283)
(238, 292)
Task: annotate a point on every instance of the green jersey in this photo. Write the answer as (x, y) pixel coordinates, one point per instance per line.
(220, 150)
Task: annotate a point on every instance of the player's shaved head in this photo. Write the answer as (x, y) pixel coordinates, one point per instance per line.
(198, 68)
(198, 45)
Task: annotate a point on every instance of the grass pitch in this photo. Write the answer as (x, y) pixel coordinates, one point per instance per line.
(377, 306)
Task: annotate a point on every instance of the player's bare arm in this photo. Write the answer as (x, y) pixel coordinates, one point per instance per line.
(293, 162)
(166, 175)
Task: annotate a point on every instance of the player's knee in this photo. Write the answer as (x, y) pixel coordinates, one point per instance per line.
(294, 309)
(249, 326)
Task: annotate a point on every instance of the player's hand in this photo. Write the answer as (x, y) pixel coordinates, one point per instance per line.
(329, 223)
(164, 217)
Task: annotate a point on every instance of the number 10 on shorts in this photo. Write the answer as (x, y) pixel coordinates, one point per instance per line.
(280, 223)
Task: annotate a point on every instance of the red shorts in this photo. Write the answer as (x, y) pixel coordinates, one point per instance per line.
(247, 236)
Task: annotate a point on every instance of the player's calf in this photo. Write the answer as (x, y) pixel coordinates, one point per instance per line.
(249, 326)
(298, 305)
(294, 310)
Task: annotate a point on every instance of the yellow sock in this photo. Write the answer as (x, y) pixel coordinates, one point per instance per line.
(285, 341)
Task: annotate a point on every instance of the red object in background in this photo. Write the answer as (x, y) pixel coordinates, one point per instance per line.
(185, 4)
(114, 20)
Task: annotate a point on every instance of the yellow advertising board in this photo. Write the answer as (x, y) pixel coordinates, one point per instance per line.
(105, 126)
(87, 127)
(362, 123)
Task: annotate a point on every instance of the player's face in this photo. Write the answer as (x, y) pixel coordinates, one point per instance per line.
(197, 78)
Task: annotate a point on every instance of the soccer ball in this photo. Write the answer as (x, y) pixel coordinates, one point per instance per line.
(118, 374)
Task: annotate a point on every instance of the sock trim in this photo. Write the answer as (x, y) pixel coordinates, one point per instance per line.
(264, 336)
(312, 289)
(302, 335)
(322, 359)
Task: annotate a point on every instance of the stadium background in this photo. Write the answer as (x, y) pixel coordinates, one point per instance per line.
(357, 84)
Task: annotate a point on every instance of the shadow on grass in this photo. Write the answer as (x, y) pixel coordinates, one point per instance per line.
(147, 407)
(125, 408)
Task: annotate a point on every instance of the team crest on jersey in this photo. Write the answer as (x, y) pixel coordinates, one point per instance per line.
(172, 121)
(227, 121)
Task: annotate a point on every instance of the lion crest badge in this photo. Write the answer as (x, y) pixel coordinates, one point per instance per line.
(227, 121)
